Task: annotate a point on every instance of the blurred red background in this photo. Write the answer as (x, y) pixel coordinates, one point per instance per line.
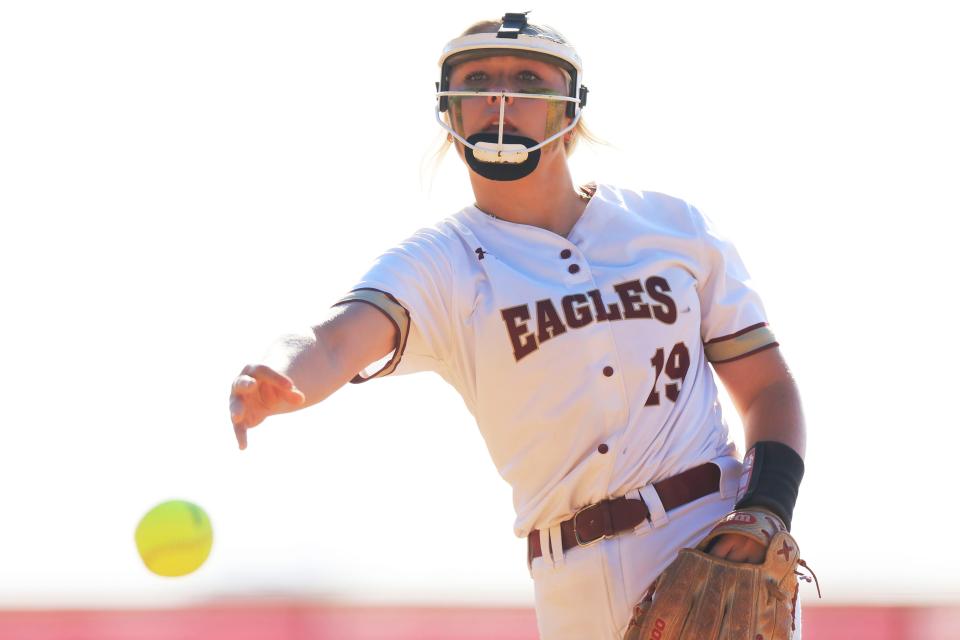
(311, 621)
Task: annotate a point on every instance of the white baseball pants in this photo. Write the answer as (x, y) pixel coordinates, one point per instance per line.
(588, 593)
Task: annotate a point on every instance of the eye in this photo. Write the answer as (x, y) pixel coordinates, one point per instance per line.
(475, 76)
(528, 76)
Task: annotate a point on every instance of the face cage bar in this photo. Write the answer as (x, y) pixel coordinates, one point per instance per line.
(443, 95)
(473, 54)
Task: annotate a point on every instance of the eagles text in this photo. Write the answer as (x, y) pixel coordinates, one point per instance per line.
(580, 309)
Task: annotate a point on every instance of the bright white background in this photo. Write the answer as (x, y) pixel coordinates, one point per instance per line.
(182, 182)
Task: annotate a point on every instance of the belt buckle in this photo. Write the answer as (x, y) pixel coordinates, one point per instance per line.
(576, 534)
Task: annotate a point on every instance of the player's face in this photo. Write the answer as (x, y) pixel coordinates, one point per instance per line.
(529, 117)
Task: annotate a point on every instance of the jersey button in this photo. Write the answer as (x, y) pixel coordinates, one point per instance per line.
(608, 371)
(574, 268)
(566, 253)
(603, 448)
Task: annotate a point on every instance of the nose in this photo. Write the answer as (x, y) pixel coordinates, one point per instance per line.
(495, 100)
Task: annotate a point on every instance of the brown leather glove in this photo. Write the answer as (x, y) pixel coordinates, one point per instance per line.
(702, 597)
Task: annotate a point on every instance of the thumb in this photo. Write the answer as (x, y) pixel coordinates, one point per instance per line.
(294, 396)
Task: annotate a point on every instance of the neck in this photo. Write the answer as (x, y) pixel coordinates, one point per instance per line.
(546, 198)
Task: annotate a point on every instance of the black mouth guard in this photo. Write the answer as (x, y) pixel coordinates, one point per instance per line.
(502, 171)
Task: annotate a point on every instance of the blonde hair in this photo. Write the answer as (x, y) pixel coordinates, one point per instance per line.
(580, 131)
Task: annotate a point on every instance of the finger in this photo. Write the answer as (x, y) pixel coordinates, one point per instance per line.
(241, 432)
(245, 411)
(737, 555)
(721, 547)
(294, 396)
(754, 552)
(261, 372)
(243, 384)
(274, 398)
(738, 549)
(237, 409)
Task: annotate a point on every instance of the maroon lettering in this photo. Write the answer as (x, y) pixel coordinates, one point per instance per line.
(581, 309)
(576, 316)
(549, 324)
(633, 304)
(611, 312)
(678, 363)
(667, 313)
(657, 361)
(522, 339)
(675, 366)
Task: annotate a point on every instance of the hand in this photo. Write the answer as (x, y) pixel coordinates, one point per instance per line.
(257, 393)
(738, 548)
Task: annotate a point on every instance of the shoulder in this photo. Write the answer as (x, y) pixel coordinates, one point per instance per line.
(657, 209)
(439, 247)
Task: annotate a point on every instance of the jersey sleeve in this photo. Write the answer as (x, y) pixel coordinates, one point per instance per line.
(733, 321)
(411, 284)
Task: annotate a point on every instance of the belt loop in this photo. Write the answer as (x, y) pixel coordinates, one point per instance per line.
(658, 516)
(557, 546)
(730, 471)
(644, 525)
(545, 551)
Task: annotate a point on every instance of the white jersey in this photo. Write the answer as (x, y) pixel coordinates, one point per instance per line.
(583, 359)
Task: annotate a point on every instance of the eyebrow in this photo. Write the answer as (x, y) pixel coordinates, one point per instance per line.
(537, 67)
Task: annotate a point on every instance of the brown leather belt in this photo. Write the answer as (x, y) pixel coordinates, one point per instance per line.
(616, 515)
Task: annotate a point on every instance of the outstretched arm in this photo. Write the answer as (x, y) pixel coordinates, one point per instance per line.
(300, 370)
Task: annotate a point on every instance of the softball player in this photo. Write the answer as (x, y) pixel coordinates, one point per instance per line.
(578, 324)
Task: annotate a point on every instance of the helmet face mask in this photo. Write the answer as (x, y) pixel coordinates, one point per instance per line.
(522, 87)
(507, 97)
